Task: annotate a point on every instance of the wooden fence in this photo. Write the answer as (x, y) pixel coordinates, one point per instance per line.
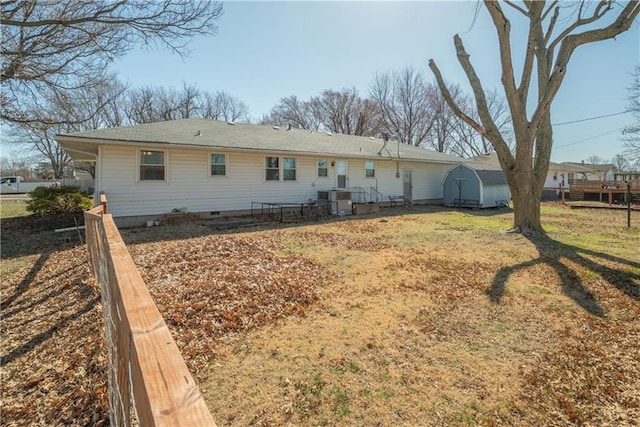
(149, 382)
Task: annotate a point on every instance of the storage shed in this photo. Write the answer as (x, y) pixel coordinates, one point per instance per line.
(475, 185)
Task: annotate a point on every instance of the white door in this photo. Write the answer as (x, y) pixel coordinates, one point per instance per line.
(342, 178)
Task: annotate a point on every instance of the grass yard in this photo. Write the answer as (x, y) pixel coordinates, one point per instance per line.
(422, 316)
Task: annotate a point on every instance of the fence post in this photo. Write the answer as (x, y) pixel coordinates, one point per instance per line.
(628, 204)
(103, 202)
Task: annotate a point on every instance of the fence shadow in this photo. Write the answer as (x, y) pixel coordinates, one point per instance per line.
(553, 254)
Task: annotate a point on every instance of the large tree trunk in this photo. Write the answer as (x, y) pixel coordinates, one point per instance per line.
(527, 169)
(525, 195)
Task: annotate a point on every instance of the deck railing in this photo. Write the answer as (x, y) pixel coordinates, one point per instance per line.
(149, 383)
(595, 184)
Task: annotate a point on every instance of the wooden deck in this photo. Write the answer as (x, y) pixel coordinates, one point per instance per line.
(599, 205)
(605, 191)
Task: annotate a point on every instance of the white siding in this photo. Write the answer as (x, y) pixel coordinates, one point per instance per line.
(189, 184)
(492, 195)
(427, 180)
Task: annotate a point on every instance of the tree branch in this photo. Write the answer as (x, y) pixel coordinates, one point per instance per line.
(503, 28)
(569, 44)
(489, 129)
(516, 7)
(452, 104)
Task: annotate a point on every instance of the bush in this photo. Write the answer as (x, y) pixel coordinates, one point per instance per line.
(58, 200)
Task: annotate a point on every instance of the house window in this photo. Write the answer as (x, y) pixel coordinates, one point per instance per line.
(152, 165)
(218, 165)
(273, 169)
(323, 169)
(289, 168)
(555, 176)
(369, 169)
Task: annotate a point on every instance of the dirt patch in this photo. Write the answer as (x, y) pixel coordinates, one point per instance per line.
(431, 317)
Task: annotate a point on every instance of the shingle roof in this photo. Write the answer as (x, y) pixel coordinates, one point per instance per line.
(569, 167)
(492, 177)
(215, 134)
(604, 167)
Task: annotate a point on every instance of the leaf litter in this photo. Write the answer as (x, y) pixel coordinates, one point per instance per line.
(342, 323)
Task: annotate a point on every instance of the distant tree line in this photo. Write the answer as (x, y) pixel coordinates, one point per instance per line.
(112, 104)
(401, 105)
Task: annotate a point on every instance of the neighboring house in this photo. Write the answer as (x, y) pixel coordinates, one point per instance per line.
(214, 168)
(561, 175)
(477, 184)
(602, 172)
(624, 176)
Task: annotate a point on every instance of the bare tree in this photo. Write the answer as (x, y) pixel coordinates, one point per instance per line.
(632, 132)
(595, 160)
(406, 105)
(66, 112)
(140, 105)
(93, 107)
(59, 46)
(345, 112)
(551, 41)
(290, 111)
(189, 104)
(621, 163)
(222, 106)
(445, 123)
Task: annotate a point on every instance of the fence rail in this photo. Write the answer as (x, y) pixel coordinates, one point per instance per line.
(149, 382)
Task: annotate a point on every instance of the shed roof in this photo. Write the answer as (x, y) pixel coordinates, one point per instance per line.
(492, 177)
(214, 134)
(489, 174)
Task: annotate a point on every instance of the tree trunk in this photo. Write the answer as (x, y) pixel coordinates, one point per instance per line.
(526, 205)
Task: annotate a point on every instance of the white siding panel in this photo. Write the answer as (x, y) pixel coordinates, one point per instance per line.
(427, 180)
(493, 194)
(189, 184)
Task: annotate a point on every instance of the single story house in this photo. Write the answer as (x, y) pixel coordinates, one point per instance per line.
(601, 172)
(215, 168)
(560, 174)
(477, 185)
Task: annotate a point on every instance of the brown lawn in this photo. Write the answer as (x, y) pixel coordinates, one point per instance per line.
(412, 317)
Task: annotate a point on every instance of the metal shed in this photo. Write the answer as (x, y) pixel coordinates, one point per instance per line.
(475, 186)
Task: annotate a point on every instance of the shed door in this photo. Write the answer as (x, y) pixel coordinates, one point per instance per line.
(342, 178)
(407, 186)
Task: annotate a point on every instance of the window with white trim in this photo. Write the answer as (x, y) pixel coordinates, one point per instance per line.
(272, 169)
(218, 164)
(152, 165)
(369, 169)
(280, 168)
(289, 168)
(323, 168)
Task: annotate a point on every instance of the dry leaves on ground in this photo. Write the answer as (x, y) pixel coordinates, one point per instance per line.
(212, 286)
(53, 357)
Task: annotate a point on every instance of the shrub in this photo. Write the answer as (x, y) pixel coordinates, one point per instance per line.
(58, 200)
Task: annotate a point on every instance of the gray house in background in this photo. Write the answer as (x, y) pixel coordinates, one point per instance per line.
(475, 185)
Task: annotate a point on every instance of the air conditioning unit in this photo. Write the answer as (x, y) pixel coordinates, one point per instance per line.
(339, 201)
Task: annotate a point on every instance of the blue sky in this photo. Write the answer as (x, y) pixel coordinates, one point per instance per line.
(268, 50)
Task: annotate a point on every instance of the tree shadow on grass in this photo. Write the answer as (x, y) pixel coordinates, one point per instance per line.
(27, 280)
(553, 254)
